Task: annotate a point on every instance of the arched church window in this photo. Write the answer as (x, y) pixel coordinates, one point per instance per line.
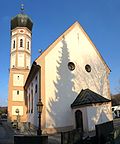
(31, 101)
(36, 88)
(36, 78)
(14, 44)
(21, 42)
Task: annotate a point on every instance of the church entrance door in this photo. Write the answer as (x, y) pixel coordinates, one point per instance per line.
(79, 120)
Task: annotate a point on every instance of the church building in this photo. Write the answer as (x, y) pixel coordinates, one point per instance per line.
(70, 78)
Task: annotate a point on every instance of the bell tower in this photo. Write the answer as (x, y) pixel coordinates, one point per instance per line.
(20, 63)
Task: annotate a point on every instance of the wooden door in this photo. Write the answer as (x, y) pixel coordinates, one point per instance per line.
(79, 120)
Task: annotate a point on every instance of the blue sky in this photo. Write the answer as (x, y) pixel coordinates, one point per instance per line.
(99, 18)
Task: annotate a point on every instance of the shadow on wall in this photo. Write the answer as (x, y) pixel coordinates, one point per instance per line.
(83, 80)
(96, 80)
(99, 77)
(103, 117)
(59, 105)
(35, 113)
(99, 118)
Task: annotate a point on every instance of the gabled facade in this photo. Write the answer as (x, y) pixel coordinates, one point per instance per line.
(70, 64)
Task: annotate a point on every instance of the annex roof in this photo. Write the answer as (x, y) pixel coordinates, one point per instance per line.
(88, 97)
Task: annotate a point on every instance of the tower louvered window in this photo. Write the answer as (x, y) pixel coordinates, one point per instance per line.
(21, 42)
(28, 45)
(13, 44)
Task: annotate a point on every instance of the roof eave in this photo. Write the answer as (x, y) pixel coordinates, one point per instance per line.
(34, 69)
(88, 104)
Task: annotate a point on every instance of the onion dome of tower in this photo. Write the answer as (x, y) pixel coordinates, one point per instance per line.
(21, 20)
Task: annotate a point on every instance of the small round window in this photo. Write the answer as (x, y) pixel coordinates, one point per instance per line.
(71, 66)
(88, 68)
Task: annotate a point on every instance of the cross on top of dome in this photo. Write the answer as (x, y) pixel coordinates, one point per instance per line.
(22, 8)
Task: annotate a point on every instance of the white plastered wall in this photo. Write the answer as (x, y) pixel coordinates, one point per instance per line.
(98, 114)
(13, 60)
(62, 85)
(18, 97)
(20, 59)
(20, 110)
(28, 61)
(18, 80)
(33, 117)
